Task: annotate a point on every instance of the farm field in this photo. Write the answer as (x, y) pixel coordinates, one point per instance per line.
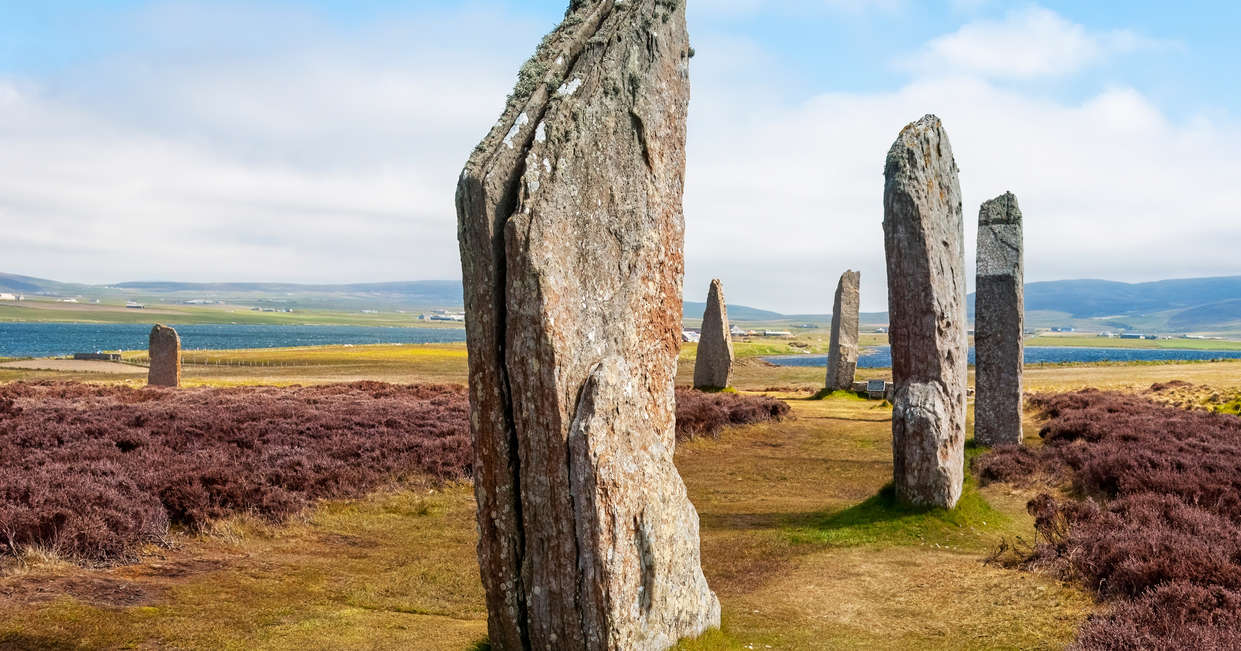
(799, 539)
(47, 311)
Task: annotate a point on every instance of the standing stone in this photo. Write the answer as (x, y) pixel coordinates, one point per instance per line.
(713, 366)
(571, 232)
(924, 241)
(999, 321)
(843, 351)
(165, 354)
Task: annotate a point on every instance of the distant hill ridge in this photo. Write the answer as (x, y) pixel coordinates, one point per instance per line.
(1189, 304)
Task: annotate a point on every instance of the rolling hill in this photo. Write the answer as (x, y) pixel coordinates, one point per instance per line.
(1179, 305)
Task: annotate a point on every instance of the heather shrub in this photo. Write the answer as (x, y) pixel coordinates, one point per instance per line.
(705, 414)
(94, 472)
(1155, 530)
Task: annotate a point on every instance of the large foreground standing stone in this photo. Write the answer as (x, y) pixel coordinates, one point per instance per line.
(571, 234)
(924, 240)
(843, 350)
(999, 321)
(713, 365)
(165, 354)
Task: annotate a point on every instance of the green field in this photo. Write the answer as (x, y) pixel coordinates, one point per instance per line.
(1114, 342)
(56, 312)
(801, 539)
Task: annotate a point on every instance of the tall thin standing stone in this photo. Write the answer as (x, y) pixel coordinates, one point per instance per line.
(924, 240)
(999, 321)
(843, 351)
(572, 233)
(165, 354)
(713, 366)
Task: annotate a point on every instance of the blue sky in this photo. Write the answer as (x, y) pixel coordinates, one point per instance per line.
(319, 140)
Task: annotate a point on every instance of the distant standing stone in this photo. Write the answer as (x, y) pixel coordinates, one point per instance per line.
(999, 322)
(843, 351)
(713, 367)
(924, 240)
(165, 354)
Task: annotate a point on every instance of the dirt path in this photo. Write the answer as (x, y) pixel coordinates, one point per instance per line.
(76, 366)
(795, 541)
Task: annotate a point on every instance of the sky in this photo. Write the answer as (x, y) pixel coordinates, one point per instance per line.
(321, 140)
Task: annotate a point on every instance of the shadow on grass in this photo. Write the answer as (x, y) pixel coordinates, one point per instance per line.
(885, 519)
(14, 640)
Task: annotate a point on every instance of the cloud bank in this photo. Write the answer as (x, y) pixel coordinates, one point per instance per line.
(217, 151)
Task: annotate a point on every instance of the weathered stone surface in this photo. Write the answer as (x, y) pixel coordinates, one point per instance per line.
(999, 321)
(843, 350)
(924, 241)
(165, 354)
(713, 365)
(571, 234)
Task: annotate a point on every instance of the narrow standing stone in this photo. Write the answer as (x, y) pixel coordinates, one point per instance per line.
(572, 233)
(999, 323)
(843, 351)
(165, 354)
(713, 366)
(924, 241)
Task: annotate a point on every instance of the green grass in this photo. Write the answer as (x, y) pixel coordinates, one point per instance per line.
(885, 520)
(1231, 407)
(824, 394)
(51, 312)
(1109, 342)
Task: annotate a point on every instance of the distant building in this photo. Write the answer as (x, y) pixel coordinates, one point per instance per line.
(777, 333)
(1107, 334)
(8, 297)
(68, 300)
(132, 305)
(1132, 335)
(690, 337)
(882, 331)
(1062, 329)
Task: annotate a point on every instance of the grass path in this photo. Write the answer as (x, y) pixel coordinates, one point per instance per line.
(797, 540)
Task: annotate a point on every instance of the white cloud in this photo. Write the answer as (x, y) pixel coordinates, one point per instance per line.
(783, 197)
(333, 157)
(319, 159)
(1026, 44)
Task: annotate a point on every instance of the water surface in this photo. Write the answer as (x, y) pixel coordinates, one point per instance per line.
(51, 339)
(881, 356)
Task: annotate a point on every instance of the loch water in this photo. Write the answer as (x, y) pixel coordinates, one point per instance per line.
(54, 339)
(881, 356)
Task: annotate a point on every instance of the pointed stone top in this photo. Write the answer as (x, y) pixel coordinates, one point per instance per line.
(920, 144)
(713, 366)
